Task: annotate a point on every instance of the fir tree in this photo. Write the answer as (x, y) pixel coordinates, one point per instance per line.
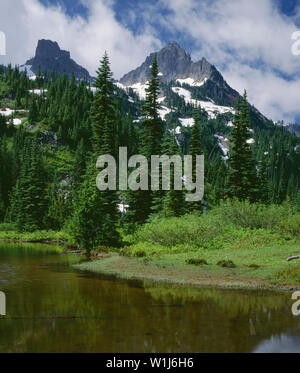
(28, 205)
(195, 149)
(96, 217)
(142, 202)
(103, 112)
(242, 182)
(174, 200)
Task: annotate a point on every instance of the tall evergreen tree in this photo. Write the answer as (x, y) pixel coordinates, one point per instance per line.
(195, 149)
(242, 182)
(28, 199)
(103, 111)
(174, 200)
(96, 217)
(141, 202)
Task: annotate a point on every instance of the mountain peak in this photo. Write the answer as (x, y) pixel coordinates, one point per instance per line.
(49, 56)
(49, 48)
(173, 63)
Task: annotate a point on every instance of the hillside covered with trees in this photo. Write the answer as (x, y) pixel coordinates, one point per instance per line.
(53, 128)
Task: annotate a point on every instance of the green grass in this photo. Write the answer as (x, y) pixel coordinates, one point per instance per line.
(38, 236)
(254, 268)
(243, 245)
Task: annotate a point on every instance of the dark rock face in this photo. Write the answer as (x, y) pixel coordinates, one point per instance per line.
(294, 128)
(174, 63)
(49, 56)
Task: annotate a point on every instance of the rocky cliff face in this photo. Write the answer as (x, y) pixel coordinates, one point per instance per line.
(175, 64)
(49, 56)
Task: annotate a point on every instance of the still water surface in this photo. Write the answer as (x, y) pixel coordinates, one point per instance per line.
(53, 308)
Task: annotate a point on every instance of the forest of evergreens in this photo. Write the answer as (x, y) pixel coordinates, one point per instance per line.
(48, 163)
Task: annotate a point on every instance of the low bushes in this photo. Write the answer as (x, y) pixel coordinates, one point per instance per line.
(226, 264)
(196, 230)
(196, 261)
(234, 225)
(253, 215)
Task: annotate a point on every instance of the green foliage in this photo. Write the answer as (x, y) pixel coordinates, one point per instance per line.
(226, 264)
(95, 217)
(68, 120)
(242, 182)
(253, 215)
(196, 261)
(289, 275)
(7, 227)
(178, 231)
(29, 194)
(143, 202)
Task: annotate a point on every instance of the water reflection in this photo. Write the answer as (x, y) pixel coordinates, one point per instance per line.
(282, 344)
(52, 308)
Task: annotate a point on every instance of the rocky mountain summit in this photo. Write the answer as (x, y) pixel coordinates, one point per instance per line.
(49, 56)
(176, 65)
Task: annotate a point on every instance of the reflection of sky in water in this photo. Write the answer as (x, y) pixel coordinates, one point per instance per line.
(284, 343)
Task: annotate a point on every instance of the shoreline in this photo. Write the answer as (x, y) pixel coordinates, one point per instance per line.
(130, 268)
(262, 268)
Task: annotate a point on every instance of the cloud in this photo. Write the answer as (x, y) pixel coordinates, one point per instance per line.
(26, 21)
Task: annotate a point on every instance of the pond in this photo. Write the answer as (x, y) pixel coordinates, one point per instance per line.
(53, 308)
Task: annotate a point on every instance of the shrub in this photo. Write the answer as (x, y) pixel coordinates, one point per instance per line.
(7, 227)
(251, 215)
(226, 264)
(289, 275)
(170, 232)
(196, 261)
(290, 225)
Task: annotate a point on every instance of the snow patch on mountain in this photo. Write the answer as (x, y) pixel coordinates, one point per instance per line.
(138, 88)
(38, 91)
(178, 130)
(186, 122)
(163, 111)
(192, 82)
(212, 109)
(223, 144)
(17, 121)
(6, 112)
(30, 73)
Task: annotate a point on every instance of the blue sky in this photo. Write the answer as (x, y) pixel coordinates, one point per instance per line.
(123, 8)
(249, 41)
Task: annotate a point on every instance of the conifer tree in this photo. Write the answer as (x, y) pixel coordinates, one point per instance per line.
(96, 217)
(103, 111)
(195, 149)
(33, 111)
(28, 204)
(242, 182)
(174, 200)
(263, 194)
(141, 203)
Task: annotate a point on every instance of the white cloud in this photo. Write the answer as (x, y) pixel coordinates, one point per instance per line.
(26, 21)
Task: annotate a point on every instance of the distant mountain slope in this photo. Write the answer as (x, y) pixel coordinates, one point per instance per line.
(294, 128)
(49, 56)
(196, 83)
(176, 65)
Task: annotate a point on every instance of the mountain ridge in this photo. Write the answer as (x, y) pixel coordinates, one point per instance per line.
(49, 56)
